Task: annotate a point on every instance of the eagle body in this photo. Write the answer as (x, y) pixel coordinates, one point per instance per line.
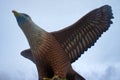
(45, 52)
(53, 52)
(50, 57)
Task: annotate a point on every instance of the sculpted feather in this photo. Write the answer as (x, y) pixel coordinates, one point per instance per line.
(54, 52)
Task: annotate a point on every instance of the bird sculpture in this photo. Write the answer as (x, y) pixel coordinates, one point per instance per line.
(54, 52)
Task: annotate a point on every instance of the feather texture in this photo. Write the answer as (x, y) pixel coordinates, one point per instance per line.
(80, 36)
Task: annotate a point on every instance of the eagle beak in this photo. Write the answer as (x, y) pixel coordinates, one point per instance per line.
(15, 13)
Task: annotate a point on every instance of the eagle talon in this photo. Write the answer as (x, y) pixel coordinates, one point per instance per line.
(57, 78)
(46, 79)
(54, 78)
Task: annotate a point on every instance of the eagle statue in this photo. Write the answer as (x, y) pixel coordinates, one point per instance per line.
(54, 52)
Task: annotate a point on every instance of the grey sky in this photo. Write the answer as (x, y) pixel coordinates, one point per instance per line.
(101, 62)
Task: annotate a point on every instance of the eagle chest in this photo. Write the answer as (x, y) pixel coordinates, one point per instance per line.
(46, 46)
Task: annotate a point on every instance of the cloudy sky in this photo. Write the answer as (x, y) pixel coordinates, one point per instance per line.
(101, 62)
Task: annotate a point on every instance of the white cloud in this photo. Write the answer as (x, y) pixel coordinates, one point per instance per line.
(100, 72)
(111, 73)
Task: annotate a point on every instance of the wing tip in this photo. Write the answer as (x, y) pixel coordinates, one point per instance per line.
(109, 9)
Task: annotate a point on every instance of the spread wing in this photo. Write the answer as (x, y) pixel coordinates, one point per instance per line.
(80, 36)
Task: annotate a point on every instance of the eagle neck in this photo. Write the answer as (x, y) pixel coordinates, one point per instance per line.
(33, 33)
